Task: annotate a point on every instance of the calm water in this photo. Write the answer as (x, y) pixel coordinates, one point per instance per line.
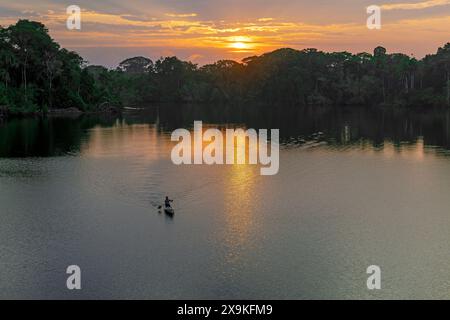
(355, 188)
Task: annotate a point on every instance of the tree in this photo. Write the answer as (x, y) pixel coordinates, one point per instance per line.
(136, 65)
(443, 60)
(36, 74)
(224, 77)
(35, 71)
(175, 78)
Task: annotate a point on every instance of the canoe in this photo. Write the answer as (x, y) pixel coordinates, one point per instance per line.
(169, 210)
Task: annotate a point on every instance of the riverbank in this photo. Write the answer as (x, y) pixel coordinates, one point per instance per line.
(67, 112)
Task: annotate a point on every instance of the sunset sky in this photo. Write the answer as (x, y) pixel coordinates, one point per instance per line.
(207, 30)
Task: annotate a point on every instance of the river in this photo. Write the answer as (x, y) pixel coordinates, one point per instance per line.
(356, 187)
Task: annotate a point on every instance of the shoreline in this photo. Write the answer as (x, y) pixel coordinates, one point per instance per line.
(69, 112)
(75, 112)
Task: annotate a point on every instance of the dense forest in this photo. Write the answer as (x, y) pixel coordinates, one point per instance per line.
(37, 75)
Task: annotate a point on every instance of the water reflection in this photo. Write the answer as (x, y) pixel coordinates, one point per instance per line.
(135, 140)
(240, 201)
(343, 128)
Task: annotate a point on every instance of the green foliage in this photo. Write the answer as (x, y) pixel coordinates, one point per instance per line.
(297, 77)
(36, 75)
(4, 101)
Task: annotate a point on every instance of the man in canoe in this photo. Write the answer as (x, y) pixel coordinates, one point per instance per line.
(167, 202)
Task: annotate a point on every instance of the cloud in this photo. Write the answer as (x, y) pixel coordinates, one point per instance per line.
(181, 15)
(203, 38)
(265, 19)
(136, 17)
(415, 6)
(254, 35)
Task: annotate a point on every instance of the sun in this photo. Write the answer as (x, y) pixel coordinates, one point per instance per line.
(240, 43)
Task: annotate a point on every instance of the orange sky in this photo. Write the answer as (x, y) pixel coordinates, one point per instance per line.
(207, 30)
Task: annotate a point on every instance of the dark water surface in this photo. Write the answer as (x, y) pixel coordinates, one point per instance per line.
(356, 187)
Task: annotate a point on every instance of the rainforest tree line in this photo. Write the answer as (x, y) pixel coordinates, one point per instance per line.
(37, 75)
